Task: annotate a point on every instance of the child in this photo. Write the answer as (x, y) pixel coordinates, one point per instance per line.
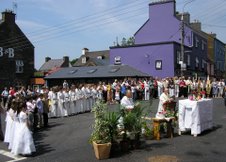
(23, 140)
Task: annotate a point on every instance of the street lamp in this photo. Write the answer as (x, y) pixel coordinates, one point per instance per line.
(183, 66)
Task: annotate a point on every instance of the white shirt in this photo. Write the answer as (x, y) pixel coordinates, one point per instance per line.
(127, 102)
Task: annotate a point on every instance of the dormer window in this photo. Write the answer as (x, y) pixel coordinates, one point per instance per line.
(100, 57)
(83, 60)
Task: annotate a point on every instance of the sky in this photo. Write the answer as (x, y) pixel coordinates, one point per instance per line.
(60, 28)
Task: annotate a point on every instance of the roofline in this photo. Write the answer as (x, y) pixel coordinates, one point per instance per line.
(148, 44)
(161, 2)
(142, 26)
(123, 76)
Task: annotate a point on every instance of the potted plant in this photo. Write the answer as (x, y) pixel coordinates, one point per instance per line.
(101, 135)
(132, 122)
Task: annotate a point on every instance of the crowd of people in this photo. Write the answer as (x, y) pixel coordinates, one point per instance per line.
(29, 109)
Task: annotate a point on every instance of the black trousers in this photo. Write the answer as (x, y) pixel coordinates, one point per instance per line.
(45, 119)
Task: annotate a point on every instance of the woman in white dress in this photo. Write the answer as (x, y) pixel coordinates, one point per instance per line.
(61, 111)
(23, 141)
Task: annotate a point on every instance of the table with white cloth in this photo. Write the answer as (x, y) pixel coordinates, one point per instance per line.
(195, 115)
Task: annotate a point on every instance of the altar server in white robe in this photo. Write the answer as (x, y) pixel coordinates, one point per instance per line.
(94, 94)
(52, 96)
(79, 96)
(61, 100)
(88, 100)
(164, 97)
(67, 102)
(72, 95)
(84, 99)
(146, 91)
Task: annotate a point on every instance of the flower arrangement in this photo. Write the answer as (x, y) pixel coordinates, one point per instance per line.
(196, 96)
(169, 109)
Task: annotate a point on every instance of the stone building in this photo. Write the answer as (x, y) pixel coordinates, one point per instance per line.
(16, 53)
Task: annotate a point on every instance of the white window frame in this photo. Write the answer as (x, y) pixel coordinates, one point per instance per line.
(203, 45)
(83, 60)
(178, 57)
(188, 59)
(196, 62)
(118, 60)
(196, 42)
(19, 66)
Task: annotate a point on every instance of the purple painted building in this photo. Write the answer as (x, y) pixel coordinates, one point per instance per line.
(157, 43)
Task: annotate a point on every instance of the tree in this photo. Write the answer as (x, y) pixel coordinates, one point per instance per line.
(128, 42)
(74, 61)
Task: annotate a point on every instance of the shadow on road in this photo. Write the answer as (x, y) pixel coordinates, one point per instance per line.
(39, 136)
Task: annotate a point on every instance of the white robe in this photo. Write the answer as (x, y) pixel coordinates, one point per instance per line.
(52, 96)
(162, 99)
(127, 102)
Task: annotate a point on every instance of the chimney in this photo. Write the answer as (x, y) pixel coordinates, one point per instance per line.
(84, 51)
(196, 25)
(186, 17)
(66, 61)
(8, 17)
(213, 35)
(47, 59)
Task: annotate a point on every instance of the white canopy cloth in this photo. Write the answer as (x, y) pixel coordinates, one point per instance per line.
(195, 115)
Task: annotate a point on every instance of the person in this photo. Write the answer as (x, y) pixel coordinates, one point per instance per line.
(127, 101)
(1, 134)
(65, 84)
(39, 105)
(164, 97)
(45, 102)
(23, 140)
(5, 94)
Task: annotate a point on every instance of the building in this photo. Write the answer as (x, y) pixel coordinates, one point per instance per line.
(157, 49)
(49, 66)
(91, 74)
(16, 53)
(94, 58)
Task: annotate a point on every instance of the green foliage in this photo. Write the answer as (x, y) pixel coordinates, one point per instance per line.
(128, 42)
(101, 131)
(132, 119)
(105, 124)
(73, 61)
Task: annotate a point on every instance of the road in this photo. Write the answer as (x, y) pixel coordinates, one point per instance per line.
(66, 140)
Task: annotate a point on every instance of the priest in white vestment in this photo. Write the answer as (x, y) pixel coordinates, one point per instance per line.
(164, 97)
(127, 100)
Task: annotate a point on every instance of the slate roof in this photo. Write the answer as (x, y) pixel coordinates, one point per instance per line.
(110, 71)
(53, 63)
(92, 58)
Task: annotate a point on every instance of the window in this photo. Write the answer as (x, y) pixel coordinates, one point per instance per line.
(196, 42)
(188, 60)
(114, 70)
(83, 60)
(118, 60)
(91, 71)
(178, 57)
(203, 45)
(100, 57)
(72, 71)
(19, 66)
(203, 64)
(197, 62)
(158, 64)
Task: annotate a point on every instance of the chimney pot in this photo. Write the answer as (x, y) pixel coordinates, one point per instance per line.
(47, 59)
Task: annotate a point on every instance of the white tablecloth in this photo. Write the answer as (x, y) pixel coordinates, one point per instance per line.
(195, 115)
